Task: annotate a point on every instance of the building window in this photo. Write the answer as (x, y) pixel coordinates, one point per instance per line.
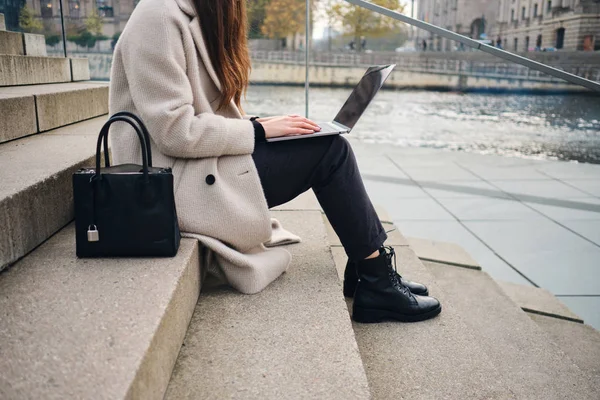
(560, 38)
(512, 15)
(74, 8)
(588, 43)
(526, 43)
(516, 44)
(105, 8)
(46, 9)
(523, 11)
(549, 6)
(538, 42)
(535, 10)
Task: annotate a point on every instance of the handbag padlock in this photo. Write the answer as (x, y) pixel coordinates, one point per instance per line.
(92, 234)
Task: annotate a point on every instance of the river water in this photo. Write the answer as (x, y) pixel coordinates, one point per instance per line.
(563, 127)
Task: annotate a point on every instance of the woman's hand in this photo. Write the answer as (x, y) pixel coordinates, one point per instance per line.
(288, 125)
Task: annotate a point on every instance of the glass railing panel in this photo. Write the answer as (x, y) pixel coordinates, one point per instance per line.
(92, 30)
(39, 18)
(277, 45)
(446, 95)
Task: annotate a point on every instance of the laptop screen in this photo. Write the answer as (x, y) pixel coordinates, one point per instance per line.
(362, 95)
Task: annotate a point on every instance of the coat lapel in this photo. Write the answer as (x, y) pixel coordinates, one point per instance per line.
(203, 51)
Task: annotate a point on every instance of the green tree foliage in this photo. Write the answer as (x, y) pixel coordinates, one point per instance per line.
(28, 22)
(283, 18)
(256, 16)
(88, 34)
(359, 22)
(93, 23)
(53, 40)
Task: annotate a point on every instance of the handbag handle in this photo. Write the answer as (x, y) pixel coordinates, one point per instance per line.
(104, 134)
(144, 131)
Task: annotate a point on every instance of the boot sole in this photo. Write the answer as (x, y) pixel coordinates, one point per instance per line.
(370, 316)
(351, 295)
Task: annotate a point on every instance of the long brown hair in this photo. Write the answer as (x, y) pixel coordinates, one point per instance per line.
(224, 25)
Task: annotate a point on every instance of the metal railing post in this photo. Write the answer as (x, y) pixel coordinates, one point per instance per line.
(306, 54)
(577, 80)
(62, 24)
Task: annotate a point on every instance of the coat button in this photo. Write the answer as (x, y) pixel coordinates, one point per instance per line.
(210, 179)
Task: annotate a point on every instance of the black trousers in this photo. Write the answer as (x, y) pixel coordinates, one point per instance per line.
(328, 166)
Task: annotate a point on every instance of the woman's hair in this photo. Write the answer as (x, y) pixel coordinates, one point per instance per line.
(224, 25)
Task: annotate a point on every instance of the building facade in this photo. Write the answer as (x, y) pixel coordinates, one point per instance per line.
(526, 25)
(115, 13)
(473, 18)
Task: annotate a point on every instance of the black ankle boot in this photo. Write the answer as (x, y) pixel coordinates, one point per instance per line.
(351, 279)
(380, 296)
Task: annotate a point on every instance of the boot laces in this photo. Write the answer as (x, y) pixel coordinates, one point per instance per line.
(393, 271)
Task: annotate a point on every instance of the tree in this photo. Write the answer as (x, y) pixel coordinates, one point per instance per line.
(89, 33)
(256, 16)
(359, 22)
(284, 17)
(28, 22)
(93, 23)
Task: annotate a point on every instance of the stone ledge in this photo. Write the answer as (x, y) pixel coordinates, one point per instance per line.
(52, 106)
(538, 301)
(18, 117)
(66, 107)
(36, 191)
(80, 69)
(532, 365)
(29, 70)
(93, 328)
(293, 340)
(434, 359)
(35, 45)
(443, 252)
(579, 341)
(11, 43)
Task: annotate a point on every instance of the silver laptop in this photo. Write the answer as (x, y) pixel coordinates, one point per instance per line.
(354, 106)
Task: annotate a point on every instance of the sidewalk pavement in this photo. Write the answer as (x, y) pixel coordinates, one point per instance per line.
(525, 221)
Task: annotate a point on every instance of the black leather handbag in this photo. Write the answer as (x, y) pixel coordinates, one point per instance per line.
(125, 210)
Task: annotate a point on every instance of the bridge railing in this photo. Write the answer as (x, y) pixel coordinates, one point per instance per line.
(423, 63)
(474, 44)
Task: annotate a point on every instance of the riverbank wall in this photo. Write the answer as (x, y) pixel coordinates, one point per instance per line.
(347, 76)
(456, 71)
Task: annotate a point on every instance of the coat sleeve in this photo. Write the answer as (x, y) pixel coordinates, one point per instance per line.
(155, 67)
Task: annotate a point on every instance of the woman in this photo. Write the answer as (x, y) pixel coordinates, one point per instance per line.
(182, 66)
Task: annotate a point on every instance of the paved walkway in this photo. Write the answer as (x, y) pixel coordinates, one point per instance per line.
(525, 221)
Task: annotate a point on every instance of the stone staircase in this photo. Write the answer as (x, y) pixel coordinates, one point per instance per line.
(143, 329)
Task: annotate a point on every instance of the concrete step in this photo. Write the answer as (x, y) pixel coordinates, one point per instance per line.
(538, 301)
(31, 109)
(94, 328)
(443, 252)
(436, 359)
(36, 197)
(11, 43)
(292, 341)
(531, 363)
(507, 360)
(21, 44)
(580, 342)
(31, 70)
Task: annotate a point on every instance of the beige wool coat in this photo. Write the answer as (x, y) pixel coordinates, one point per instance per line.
(161, 71)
